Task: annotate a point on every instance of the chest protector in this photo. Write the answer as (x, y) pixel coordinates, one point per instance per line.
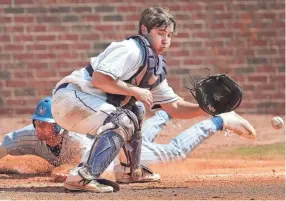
(150, 74)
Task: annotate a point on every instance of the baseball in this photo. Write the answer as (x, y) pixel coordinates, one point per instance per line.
(277, 122)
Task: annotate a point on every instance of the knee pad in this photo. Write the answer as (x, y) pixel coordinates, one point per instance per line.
(139, 110)
(123, 122)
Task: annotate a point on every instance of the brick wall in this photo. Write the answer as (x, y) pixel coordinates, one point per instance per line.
(44, 40)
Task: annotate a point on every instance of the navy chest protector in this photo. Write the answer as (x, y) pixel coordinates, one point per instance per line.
(150, 74)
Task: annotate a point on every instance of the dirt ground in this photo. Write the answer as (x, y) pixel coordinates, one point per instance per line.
(197, 178)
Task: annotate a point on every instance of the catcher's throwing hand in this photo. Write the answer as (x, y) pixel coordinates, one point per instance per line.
(144, 95)
(217, 94)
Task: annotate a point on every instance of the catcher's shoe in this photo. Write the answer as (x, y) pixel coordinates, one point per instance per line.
(77, 183)
(235, 123)
(123, 175)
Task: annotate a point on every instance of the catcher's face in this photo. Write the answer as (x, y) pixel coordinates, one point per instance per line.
(160, 38)
(45, 131)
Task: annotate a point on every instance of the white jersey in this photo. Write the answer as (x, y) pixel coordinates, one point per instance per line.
(120, 60)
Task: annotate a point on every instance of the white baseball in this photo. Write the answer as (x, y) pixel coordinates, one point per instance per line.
(277, 122)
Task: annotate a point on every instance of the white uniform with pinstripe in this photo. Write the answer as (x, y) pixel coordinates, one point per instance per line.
(24, 141)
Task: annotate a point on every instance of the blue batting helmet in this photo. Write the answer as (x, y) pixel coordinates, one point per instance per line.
(43, 111)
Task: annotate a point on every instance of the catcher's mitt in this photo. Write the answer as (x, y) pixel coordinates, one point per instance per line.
(217, 94)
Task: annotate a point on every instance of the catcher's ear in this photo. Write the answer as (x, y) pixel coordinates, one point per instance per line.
(144, 29)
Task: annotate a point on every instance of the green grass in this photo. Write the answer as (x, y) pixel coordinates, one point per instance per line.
(261, 152)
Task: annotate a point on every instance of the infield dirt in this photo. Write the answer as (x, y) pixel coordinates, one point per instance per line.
(200, 177)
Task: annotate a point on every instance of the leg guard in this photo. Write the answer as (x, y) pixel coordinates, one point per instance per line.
(132, 148)
(116, 130)
(103, 151)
